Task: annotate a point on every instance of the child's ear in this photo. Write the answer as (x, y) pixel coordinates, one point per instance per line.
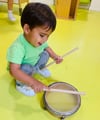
(26, 28)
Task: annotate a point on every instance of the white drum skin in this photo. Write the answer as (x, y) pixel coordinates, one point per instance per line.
(61, 104)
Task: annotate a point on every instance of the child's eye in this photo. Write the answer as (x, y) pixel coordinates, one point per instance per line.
(41, 35)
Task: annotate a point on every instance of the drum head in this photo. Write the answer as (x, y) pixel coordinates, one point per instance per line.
(61, 104)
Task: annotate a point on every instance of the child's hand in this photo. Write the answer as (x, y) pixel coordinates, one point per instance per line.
(38, 86)
(58, 59)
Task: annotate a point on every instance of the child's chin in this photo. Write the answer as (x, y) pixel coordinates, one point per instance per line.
(36, 45)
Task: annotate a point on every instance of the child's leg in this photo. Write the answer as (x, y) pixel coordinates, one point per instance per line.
(44, 57)
(28, 69)
(10, 11)
(26, 90)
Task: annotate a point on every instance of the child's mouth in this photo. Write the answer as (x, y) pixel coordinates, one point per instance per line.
(39, 43)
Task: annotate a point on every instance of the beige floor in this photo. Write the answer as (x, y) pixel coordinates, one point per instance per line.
(80, 69)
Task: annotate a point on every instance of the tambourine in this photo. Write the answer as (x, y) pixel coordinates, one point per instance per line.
(61, 104)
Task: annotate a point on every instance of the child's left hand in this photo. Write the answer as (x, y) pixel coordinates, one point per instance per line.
(58, 59)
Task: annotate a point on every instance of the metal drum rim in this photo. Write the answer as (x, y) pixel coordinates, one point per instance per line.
(57, 113)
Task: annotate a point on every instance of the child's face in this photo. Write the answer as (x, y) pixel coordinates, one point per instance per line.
(38, 35)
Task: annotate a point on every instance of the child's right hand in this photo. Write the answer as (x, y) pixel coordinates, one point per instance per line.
(38, 86)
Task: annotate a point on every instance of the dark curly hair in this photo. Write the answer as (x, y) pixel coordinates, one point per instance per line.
(38, 14)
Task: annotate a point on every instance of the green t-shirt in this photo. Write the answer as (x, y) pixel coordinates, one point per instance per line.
(22, 52)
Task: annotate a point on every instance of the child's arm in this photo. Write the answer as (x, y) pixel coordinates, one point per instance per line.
(54, 56)
(18, 74)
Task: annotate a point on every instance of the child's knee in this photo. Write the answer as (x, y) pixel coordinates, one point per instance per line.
(45, 55)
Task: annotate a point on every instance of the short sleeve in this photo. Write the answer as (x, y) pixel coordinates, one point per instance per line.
(15, 53)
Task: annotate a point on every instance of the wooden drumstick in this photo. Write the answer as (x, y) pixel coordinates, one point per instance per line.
(66, 54)
(64, 91)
